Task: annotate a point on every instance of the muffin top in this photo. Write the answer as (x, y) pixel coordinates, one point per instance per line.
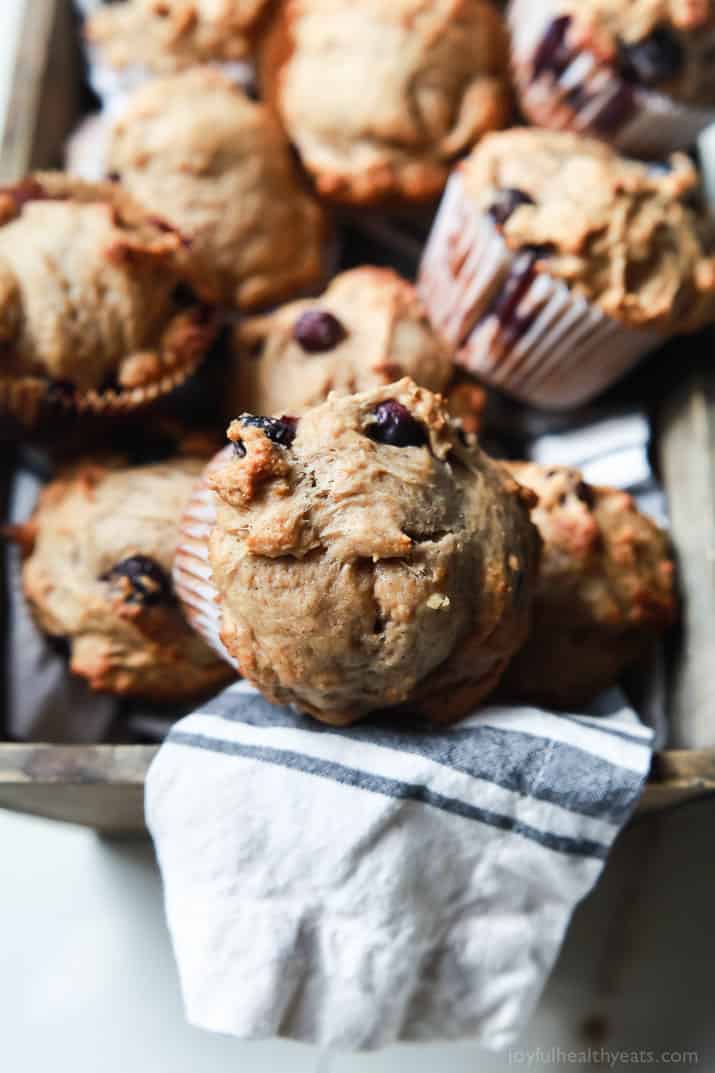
(101, 544)
(171, 35)
(195, 148)
(86, 284)
(381, 97)
(366, 557)
(625, 235)
(367, 329)
(605, 587)
(663, 45)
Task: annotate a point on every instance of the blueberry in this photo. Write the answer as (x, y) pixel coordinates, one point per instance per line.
(141, 581)
(60, 393)
(316, 331)
(394, 425)
(507, 202)
(585, 493)
(653, 60)
(280, 430)
(615, 113)
(553, 54)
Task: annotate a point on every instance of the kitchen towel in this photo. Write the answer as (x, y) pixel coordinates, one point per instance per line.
(355, 887)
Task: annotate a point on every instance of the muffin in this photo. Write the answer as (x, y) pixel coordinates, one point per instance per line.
(369, 328)
(381, 97)
(173, 35)
(100, 548)
(88, 316)
(361, 557)
(640, 76)
(605, 589)
(214, 163)
(554, 264)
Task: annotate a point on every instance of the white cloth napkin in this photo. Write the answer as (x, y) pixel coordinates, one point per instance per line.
(356, 887)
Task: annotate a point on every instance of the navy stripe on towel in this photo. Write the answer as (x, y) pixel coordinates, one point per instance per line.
(550, 771)
(378, 784)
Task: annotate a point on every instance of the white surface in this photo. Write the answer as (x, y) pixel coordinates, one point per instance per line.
(10, 18)
(87, 984)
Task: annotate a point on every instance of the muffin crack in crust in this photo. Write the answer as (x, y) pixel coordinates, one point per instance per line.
(358, 572)
(380, 98)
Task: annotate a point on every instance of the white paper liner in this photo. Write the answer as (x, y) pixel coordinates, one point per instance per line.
(114, 85)
(192, 577)
(659, 125)
(567, 350)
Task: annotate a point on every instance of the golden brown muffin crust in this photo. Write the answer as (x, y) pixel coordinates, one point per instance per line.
(381, 98)
(100, 547)
(86, 284)
(605, 589)
(171, 35)
(198, 150)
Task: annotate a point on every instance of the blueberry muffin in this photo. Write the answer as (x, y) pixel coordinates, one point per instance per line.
(381, 97)
(365, 556)
(100, 548)
(638, 75)
(165, 36)
(87, 297)
(196, 149)
(605, 589)
(369, 328)
(554, 263)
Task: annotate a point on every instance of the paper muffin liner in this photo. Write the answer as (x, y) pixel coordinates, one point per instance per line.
(28, 399)
(581, 94)
(522, 331)
(193, 582)
(115, 85)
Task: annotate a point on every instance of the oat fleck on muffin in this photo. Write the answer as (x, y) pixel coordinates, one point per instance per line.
(369, 328)
(214, 163)
(605, 589)
(100, 548)
(365, 556)
(381, 97)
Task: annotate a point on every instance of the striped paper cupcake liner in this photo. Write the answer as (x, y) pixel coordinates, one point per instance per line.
(562, 87)
(193, 581)
(520, 330)
(29, 399)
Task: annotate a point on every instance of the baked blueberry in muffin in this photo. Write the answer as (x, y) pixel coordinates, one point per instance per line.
(638, 75)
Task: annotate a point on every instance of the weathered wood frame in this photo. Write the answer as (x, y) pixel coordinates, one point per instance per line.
(102, 786)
